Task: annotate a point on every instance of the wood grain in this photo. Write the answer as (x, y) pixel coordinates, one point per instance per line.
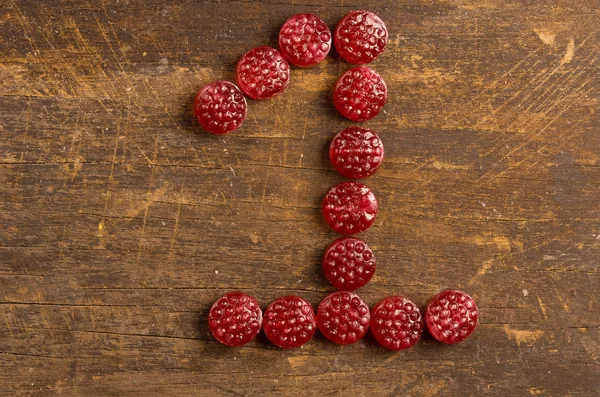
(121, 221)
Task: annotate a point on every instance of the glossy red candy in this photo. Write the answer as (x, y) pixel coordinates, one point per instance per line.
(451, 316)
(235, 319)
(360, 37)
(289, 322)
(348, 263)
(396, 323)
(350, 207)
(343, 317)
(304, 40)
(262, 73)
(220, 107)
(360, 94)
(356, 152)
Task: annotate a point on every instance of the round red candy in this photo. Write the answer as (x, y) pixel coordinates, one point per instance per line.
(262, 73)
(360, 37)
(451, 316)
(343, 317)
(220, 107)
(348, 263)
(235, 319)
(304, 40)
(360, 94)
(289, 322)
(356, 152)
(396, 323)
(350, 207)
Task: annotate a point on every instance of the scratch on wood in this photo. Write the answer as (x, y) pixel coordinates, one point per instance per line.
(543, 308)
(175, 227)
(523, 337)
(569, 53)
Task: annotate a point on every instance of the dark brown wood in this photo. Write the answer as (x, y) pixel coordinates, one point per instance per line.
(121, 221)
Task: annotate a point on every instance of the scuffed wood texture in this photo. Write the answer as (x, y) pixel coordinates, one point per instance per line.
(121, 221)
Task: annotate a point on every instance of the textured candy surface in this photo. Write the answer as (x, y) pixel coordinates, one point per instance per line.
(356, 152)
(360, 37)
(220, 107)
(343, 317)
(348, 263)
(262, 73)
(360, 94)
(396, 323)
(451, 316)
(235, 319)
(304, 40)
(350, 207)
(289, 322)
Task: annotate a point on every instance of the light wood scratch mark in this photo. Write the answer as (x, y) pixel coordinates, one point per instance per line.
(21, 18)
(110, 176)
(148, 195)
(8, 326)
(304, 128)
(175, 227)
(92, 58)
(264, 193)
(564, 304)
(559, 87)
(67, 66)
(537, 134)
(140, 245)
(150, 161)
(155, 315)
(543, 308)
(521, 112)
(525, 337)
(527, 142)
(569, 53)
(513, 97)
(420, 186)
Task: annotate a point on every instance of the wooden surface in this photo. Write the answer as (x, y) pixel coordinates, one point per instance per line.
(121, 221)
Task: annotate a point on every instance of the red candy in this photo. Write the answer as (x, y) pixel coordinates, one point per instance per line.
(304, 40)
(289, 322)
(343, 317)
(360, 94)
(220, 107)
(356, 152)
(348, 263)
(262, 73)
(451, 316)
(235, 319)
(350, 207)
(396, 323)
(360, 37)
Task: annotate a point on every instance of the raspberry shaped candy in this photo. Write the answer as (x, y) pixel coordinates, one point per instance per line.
(304, 40)
(350, 207)
(220, 107)
(360, 37)
(262, 73)
(451, 316)
(396, 323)
(356, 152)
(348, 263)
(343, 317)
(289, 322)
(360, 94)
(235, 319)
